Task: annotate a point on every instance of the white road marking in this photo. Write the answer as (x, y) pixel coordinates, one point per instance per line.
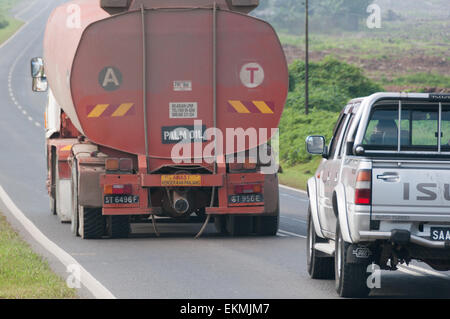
(13, 66)
(284, 232)
(87, 280)
(295, 219)
(92, 284)
(281, 235)
(294, 197)
(294, 189)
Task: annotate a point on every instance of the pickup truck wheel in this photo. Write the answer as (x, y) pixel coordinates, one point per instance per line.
(239, 225)
(92, 223)
(318, 267)
(118, 226)
(351, 279)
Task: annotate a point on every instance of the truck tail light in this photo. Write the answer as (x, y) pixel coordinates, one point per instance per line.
(118, 189)
(112, 164)
(126, 164)
(248, 189)
(116, 164)
(363, 189)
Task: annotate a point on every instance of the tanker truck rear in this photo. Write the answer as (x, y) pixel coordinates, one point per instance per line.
(162, 110)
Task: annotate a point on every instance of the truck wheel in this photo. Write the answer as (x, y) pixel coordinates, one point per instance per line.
(267, 225)
(220, 223)
(319, 267)
(52, 195)
(118, 226)
(74, 226)
(351, 279)
(92, 223)
(239, 225)
(52, 205)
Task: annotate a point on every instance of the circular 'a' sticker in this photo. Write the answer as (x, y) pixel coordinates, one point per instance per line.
(252, 75)
(110, 78)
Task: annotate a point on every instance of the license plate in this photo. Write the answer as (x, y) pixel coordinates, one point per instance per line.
(246, 198)
(121, 199)
(181, 180)
(440, 233)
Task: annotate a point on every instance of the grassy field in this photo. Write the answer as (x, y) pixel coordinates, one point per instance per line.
(297, 176)
(8, 25)
(23, 274)
(410, 52)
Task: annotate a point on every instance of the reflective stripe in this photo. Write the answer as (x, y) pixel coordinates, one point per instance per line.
(122, 109)
(98, 110)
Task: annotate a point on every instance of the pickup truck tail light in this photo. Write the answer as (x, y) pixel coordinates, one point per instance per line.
(363, 189)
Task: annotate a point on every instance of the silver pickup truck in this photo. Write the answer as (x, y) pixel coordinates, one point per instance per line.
(381, 195)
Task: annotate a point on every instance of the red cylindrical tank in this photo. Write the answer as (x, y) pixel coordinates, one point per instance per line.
(96, 70)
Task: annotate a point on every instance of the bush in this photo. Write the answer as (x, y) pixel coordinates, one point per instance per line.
(3, 22)
(295, 126)
(332, 85)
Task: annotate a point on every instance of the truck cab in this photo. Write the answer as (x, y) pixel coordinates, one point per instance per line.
(380, 195)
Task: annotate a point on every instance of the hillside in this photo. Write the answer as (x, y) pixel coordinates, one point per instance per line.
(410, 52)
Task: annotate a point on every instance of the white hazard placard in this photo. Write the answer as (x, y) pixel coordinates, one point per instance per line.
(183, 110)
(252, 75)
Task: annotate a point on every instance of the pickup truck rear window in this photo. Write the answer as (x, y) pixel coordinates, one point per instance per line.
(417, 129)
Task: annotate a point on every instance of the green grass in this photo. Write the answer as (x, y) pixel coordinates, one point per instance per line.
(12, 27)
(421, 80)
(8, 24)
(297, 176)
(23, 274)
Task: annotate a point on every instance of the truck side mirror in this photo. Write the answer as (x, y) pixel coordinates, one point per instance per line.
(316, 145)
(40, 83)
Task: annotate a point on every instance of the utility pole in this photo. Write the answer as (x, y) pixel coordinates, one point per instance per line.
(306, 59)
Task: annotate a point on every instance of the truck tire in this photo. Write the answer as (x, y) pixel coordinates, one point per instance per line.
(267, 225)
(52, 195)
(92, 222)
(118, 226)
(75, 222)
(239, 225)
(318, 267)
(220, 222)
(52, 202)
(351, 279)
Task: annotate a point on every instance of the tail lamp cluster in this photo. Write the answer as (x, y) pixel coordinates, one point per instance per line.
(248, 189)
(119, 165)
(118, 189)
(363, 189)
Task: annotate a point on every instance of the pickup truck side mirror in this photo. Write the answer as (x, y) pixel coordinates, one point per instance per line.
(40, 83)
(315, 145)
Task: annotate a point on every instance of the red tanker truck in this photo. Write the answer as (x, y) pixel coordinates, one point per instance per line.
(161, 109)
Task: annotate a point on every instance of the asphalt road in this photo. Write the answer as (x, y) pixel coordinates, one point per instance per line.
(174, 265)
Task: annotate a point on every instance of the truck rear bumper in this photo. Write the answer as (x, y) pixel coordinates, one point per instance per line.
(223, 183)
(402, 237)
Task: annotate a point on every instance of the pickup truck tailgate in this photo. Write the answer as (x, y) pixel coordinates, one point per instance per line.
(411, 191)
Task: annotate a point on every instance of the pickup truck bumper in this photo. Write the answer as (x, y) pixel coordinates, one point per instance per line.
(402, 237)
